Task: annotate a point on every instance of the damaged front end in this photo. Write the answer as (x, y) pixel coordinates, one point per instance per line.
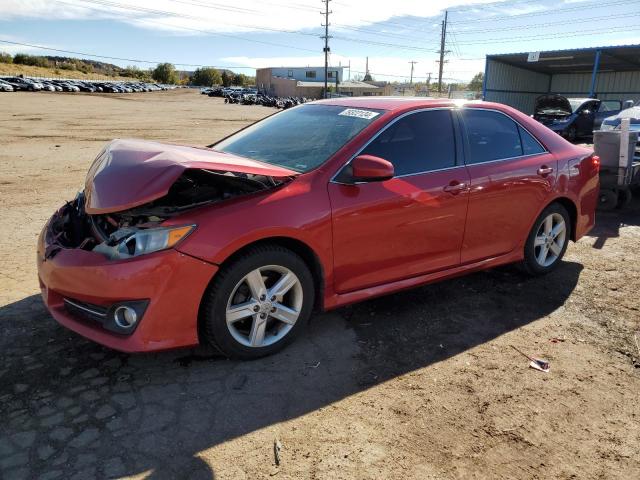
(139, 230)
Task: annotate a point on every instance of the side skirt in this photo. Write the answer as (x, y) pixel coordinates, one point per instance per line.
(338, 300)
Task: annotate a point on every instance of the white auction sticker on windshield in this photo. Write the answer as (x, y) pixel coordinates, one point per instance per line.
(354, 112)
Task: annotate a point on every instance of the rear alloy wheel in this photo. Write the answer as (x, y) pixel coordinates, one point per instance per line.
(259, 303)
(548, 240)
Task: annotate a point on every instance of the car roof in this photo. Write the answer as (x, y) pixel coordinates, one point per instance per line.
(402, 104)
(389, 103)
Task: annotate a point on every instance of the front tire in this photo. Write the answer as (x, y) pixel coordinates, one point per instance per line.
(547, 241)
(258, 304)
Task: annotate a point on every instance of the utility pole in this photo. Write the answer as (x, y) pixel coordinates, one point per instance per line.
(442, 52)
(411, 79)
(428, 82)
(326, 44)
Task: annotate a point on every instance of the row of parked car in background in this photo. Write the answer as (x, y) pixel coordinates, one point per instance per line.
(251, 96)
(14, 84)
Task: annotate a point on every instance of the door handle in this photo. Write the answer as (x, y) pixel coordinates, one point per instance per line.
(456, 187)
(543, 171)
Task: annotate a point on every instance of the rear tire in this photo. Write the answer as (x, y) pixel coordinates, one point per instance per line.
(624, 198)
(548, 240)
(607, 200)
(258, 304)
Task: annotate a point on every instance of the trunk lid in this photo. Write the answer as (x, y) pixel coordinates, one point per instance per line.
(130, 173)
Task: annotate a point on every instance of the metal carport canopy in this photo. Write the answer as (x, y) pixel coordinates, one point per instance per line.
(583, 64)
(581, 60)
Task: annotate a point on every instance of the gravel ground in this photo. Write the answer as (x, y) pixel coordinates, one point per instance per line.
(422, 384)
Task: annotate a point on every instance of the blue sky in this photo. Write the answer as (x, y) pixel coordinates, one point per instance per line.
(249, 34)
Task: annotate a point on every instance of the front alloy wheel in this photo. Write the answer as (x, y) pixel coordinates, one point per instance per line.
(264, 306)
(548, 240)
(257, 303)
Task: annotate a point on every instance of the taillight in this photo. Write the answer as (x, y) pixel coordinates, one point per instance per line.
(595, 162)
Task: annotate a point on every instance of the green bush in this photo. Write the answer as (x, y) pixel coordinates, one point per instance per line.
(5, 58)
(34, 60)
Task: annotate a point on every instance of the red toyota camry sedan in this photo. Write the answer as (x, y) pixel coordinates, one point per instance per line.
(316, 207)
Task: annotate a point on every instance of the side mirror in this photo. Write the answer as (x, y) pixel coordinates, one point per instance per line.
(368, 168)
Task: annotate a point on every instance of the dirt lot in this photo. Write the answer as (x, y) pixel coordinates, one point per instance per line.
(422, 384)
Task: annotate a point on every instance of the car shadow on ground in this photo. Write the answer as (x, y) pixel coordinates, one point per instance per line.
(609, 223)
(73, 409)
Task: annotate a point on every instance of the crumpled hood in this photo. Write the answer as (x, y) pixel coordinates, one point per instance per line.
(129, 173)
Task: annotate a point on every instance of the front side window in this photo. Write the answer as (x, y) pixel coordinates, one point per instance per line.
(490, 136)
(301, 138)
(419, 142)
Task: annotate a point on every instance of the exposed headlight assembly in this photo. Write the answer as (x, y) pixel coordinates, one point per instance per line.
(133, 242)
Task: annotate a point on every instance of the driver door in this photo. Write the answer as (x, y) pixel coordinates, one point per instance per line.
(411, 224)
(586, 118)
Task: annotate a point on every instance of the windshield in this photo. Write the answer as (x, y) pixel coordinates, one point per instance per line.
(301, 138)
(575, 103)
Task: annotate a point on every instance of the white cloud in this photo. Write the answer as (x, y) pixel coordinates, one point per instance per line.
(226, 17)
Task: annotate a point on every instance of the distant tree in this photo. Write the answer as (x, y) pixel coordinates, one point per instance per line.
(239, 79)
(226, 78)
(206, 77)
(5, 58)
(37, 61)
(367, 77)
(358, 78)
(476, 82)
(165, 73)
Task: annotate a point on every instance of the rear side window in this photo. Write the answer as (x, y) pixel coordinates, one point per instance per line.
(419, 142)
(490, 136)
(530, 145)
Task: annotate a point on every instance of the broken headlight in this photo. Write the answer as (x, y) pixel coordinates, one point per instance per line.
(133, 242)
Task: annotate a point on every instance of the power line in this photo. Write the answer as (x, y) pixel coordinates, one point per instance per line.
(207, 32)
(107, 57)
(544, 36)
(555, 11)
(546, 24)
(107, 3)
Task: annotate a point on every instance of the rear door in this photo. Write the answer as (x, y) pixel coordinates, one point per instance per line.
(408, 225)
(511, 176)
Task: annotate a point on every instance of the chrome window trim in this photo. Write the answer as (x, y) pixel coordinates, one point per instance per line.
(464, 164)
